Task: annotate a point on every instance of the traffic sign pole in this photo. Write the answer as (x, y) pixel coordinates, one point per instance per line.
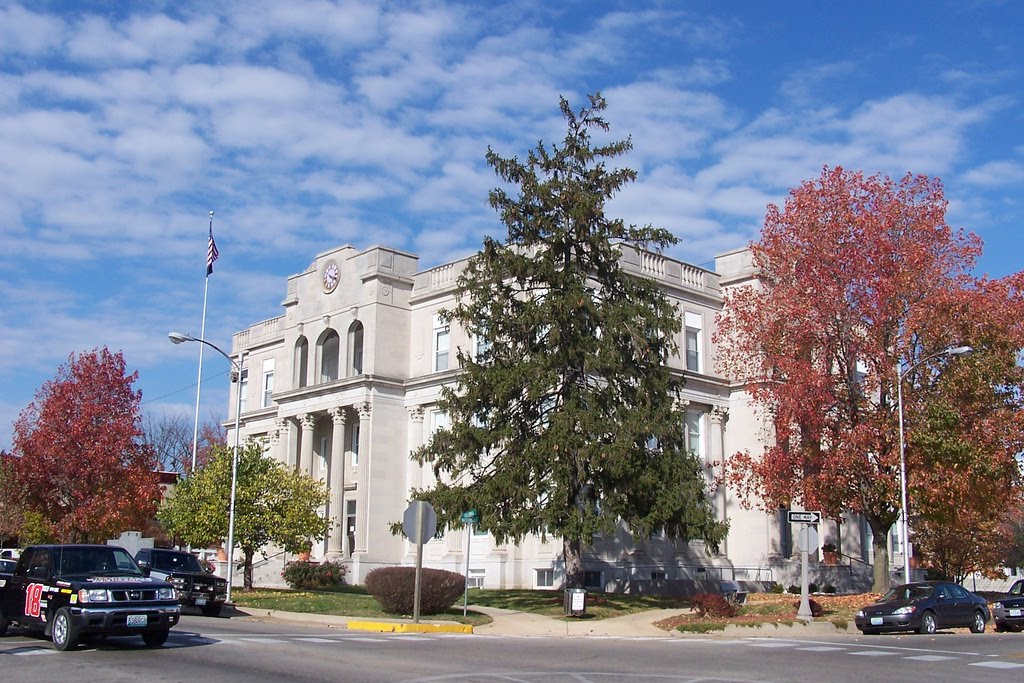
(465, 593)
(419, 566)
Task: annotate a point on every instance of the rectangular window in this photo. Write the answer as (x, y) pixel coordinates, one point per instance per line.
(896, 537)
(268, 383)
(658, 576)
(480, 346)
(476, 578)
(350, 526)
(694, 433)
(593, 580)
(545, 578)
(441, 333)
(355, 443)
(693, 341)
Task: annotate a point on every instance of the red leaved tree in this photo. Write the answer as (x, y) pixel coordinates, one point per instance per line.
(79, 455)
(857, 276)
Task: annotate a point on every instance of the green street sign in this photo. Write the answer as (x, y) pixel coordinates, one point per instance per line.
(470, 517)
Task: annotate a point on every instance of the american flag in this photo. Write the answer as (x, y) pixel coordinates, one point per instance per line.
(211, 253)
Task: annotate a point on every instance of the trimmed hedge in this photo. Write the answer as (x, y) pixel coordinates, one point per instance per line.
(394, 588)
(311, 575)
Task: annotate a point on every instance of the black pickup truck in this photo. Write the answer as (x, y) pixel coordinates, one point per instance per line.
(75, 591)
(182, 570)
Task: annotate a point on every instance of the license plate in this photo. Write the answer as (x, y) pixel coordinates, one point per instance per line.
(1015, 612)
(200, 601)
(136, 620)
(876, 621)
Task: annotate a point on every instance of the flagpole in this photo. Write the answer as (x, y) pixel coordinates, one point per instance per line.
(210, 257)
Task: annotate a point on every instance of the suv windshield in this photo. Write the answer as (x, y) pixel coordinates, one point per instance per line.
(100, 561)
(167, 560)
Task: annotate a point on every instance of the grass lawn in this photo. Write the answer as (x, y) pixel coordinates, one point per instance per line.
(353, 601)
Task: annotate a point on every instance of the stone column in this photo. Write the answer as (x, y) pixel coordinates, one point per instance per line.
(414, 471)
(718, 418)
(306, 457)
(279, 441)
(292, 444)
(363, 478)
(336, 511)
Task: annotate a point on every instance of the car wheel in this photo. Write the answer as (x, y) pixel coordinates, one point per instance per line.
(928, 623)
(64, 632)
(155, 638)
(978, 624)
(212, 610)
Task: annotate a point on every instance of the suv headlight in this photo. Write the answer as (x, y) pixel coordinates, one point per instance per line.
(166, 594)
(998, 605)
(93, 595)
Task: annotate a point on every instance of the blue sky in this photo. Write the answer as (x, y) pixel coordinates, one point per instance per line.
(310, 124)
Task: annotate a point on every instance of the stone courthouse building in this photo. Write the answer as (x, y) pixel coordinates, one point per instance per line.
(345, 384)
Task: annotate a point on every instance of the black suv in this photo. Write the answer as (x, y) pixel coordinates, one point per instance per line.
(182, 570)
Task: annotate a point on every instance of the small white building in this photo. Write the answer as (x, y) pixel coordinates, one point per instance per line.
(344, 385)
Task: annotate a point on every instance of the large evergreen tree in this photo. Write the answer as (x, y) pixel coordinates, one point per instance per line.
(565, 419)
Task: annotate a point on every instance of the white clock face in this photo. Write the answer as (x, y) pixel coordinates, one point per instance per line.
(331, 276)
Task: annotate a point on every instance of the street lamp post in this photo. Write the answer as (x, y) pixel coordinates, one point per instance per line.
(904, 510)
(178, 338)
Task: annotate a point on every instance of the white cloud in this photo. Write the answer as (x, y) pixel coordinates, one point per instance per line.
(996, 174)
(27, 33)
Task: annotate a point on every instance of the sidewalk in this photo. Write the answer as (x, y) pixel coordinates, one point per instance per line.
(513, 623)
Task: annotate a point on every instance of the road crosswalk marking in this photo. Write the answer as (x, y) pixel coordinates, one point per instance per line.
(998, 665)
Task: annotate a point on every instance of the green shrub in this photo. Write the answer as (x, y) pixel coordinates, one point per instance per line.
(777, 588)
(794, 589)
(394, 588)
(712, 605)
(312, 575)
(812, 587)
(829, 588)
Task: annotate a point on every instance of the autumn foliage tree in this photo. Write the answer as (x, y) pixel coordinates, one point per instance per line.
(79, 461)
(857, 276)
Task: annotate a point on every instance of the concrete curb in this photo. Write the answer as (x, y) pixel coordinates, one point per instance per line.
(402, 627)
(379, 626)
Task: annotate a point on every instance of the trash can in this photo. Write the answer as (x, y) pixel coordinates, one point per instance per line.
(575, 602)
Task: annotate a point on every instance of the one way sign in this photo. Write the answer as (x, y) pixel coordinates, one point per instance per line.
(804, 517)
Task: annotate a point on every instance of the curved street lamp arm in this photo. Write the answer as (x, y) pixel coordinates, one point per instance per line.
(178, 338)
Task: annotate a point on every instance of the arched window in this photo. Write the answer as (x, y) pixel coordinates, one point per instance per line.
(355, 348)
(301, 364)
(330, 347)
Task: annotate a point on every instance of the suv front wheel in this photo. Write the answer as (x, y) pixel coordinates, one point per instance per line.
(64, 632)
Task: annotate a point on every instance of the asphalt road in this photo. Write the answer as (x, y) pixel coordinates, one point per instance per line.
(237, 650)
